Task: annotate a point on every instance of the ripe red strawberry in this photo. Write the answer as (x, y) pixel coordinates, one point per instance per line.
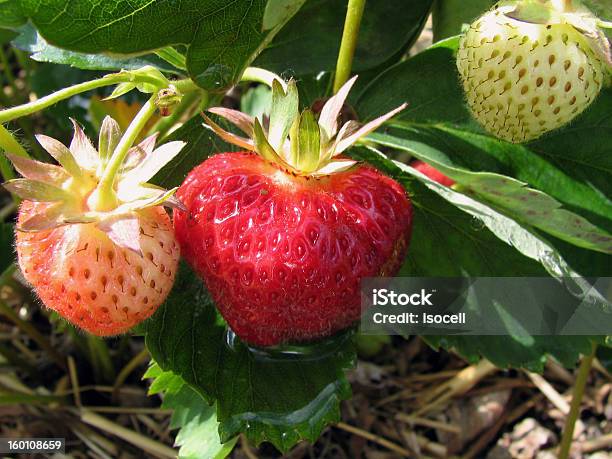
(432, 173)
(104, 268)
(281, 245)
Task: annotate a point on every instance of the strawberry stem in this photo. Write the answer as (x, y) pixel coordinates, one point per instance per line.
(44, 102)
(348, 44)
(106, 198)
(577, 394)
(9, 144)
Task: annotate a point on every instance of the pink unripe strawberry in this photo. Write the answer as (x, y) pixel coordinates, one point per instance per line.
(97, 285)
(104, 269)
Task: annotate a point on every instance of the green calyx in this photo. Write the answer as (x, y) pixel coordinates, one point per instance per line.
(299, 142)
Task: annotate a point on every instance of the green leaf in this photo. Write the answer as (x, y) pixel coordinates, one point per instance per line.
(11, 14)
(198, 437)
(7, 254)
(222, 37)
(508, 352)
(30, 40)
(6, 36)
(162, 381)
(449, 16)
(571, 165)
(310, 41)
(275, 397)
(509, 195)
(453, 235)
(278, 12)
(173, 57)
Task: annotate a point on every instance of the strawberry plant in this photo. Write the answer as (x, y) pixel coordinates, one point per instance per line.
(236, 241)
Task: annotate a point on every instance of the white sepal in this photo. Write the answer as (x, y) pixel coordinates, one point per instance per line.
(36, 170)
(346, 131)
(124, 231)
(70, 189)
(366, 129)
(61, 153)
(241, 120)
(152, 163)
(137, 154)
(154, 197)
(110, 135)
(334, 167)
(129, 192)
(36, 191)
(328, 119)
(53, 216)
(228, 136)
(83, 151)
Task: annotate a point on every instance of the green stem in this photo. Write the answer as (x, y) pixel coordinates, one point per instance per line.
(106, 193)
(578, 392)
(352, 22)
(264, 76)
(10, 144)
(186, 85)
(44, 102)
(6, 170)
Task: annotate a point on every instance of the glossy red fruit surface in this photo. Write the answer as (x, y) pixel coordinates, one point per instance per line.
(80, 273)
(433, 173)
(283, 255)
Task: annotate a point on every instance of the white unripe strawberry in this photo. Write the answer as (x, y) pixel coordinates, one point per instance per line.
(531, 66)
